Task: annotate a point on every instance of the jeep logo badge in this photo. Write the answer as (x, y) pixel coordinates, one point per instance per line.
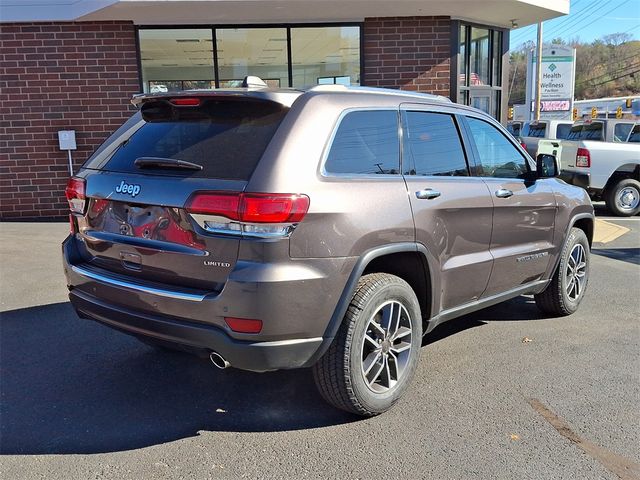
(128, 189)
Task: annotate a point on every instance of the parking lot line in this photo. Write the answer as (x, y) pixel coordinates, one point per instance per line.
(606, 232)
(616, 464)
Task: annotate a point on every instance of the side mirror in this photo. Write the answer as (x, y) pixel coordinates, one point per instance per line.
(547, 166)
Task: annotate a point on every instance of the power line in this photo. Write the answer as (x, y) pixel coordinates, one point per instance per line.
(522, 33)
(585, 15)
(573, 20)
(599, 17)
(568, 22)
(614, 72)
(616, 78)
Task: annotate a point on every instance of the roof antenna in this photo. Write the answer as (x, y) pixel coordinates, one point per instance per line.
(252, 81)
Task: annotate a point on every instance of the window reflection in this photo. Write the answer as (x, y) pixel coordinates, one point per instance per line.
(325, 55)
(176, 59)
(252, 51)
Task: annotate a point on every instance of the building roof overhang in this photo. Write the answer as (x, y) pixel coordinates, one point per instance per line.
(502, 13)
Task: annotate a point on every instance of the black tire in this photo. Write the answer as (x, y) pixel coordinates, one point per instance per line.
(339, 374)
(620, 204)
(556, 300)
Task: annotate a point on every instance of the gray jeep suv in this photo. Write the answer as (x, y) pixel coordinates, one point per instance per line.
(331, 229)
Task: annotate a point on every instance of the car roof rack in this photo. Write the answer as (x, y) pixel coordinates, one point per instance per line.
(378, 91)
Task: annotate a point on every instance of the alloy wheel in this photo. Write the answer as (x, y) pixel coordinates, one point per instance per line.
(386, 347)
(576, 273)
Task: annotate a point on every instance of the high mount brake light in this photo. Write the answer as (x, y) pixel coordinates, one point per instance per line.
(250, 207)
(75, 193)
(583, 158)
(185, 102)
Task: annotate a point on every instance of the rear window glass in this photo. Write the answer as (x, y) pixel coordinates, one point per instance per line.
(587, 131)
(514, 129)
(563, 130)
(534, 130)
(226, 136)
(366, 143)
(635, 134)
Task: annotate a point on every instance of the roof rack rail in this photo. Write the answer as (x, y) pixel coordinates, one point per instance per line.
(378, 91)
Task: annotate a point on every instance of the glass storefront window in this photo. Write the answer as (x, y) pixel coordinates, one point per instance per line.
(325, 55)
(462, 57)
(479, 57)
(176, 59)
(479, 66)
(181, 59)
(496, 58)
(252, 51)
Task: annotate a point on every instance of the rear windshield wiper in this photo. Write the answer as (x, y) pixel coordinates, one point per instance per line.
(159, 162)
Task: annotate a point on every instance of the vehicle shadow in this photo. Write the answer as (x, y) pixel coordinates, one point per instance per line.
(522, 308)
(74, 386)
(630, 254)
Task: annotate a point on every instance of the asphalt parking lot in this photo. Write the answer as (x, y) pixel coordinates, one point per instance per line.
(502, 393)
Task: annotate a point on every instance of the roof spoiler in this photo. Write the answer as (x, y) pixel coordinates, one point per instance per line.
(249, 82)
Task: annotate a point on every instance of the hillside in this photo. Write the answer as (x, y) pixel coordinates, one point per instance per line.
(608, 67)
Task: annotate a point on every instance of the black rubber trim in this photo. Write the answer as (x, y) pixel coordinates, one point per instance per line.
(582, 180)
(352, 283)
(574, 219)
(254, 356)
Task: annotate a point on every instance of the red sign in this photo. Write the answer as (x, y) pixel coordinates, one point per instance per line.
(555, 105)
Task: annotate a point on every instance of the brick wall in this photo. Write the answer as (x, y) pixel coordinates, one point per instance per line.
(58, 76)
(80, 76)
(411, 53)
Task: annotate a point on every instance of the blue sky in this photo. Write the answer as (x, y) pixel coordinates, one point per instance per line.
(588, 20)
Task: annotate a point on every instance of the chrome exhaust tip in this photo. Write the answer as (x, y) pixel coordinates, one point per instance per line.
(218, 360)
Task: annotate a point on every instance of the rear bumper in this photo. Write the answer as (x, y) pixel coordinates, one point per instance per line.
(295, 301)
(254, 356)
(578, 179)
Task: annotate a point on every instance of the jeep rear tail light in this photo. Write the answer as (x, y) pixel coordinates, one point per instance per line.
(252, 214)
(523, 145)
(75, 193)
(583, 158)
(273, 207)
(215, 203)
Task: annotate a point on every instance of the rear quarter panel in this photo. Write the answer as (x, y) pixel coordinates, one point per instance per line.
(347, 215)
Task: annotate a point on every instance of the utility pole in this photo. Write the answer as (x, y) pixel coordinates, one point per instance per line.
(539, 72)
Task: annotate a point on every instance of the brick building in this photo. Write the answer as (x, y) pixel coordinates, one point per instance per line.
(75, 65)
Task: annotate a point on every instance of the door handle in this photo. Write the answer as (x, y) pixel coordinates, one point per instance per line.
(428, 194)
(503, 193)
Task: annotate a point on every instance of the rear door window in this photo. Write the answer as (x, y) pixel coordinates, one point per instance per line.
(365, 143)
(432, 146)
(226, 136)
